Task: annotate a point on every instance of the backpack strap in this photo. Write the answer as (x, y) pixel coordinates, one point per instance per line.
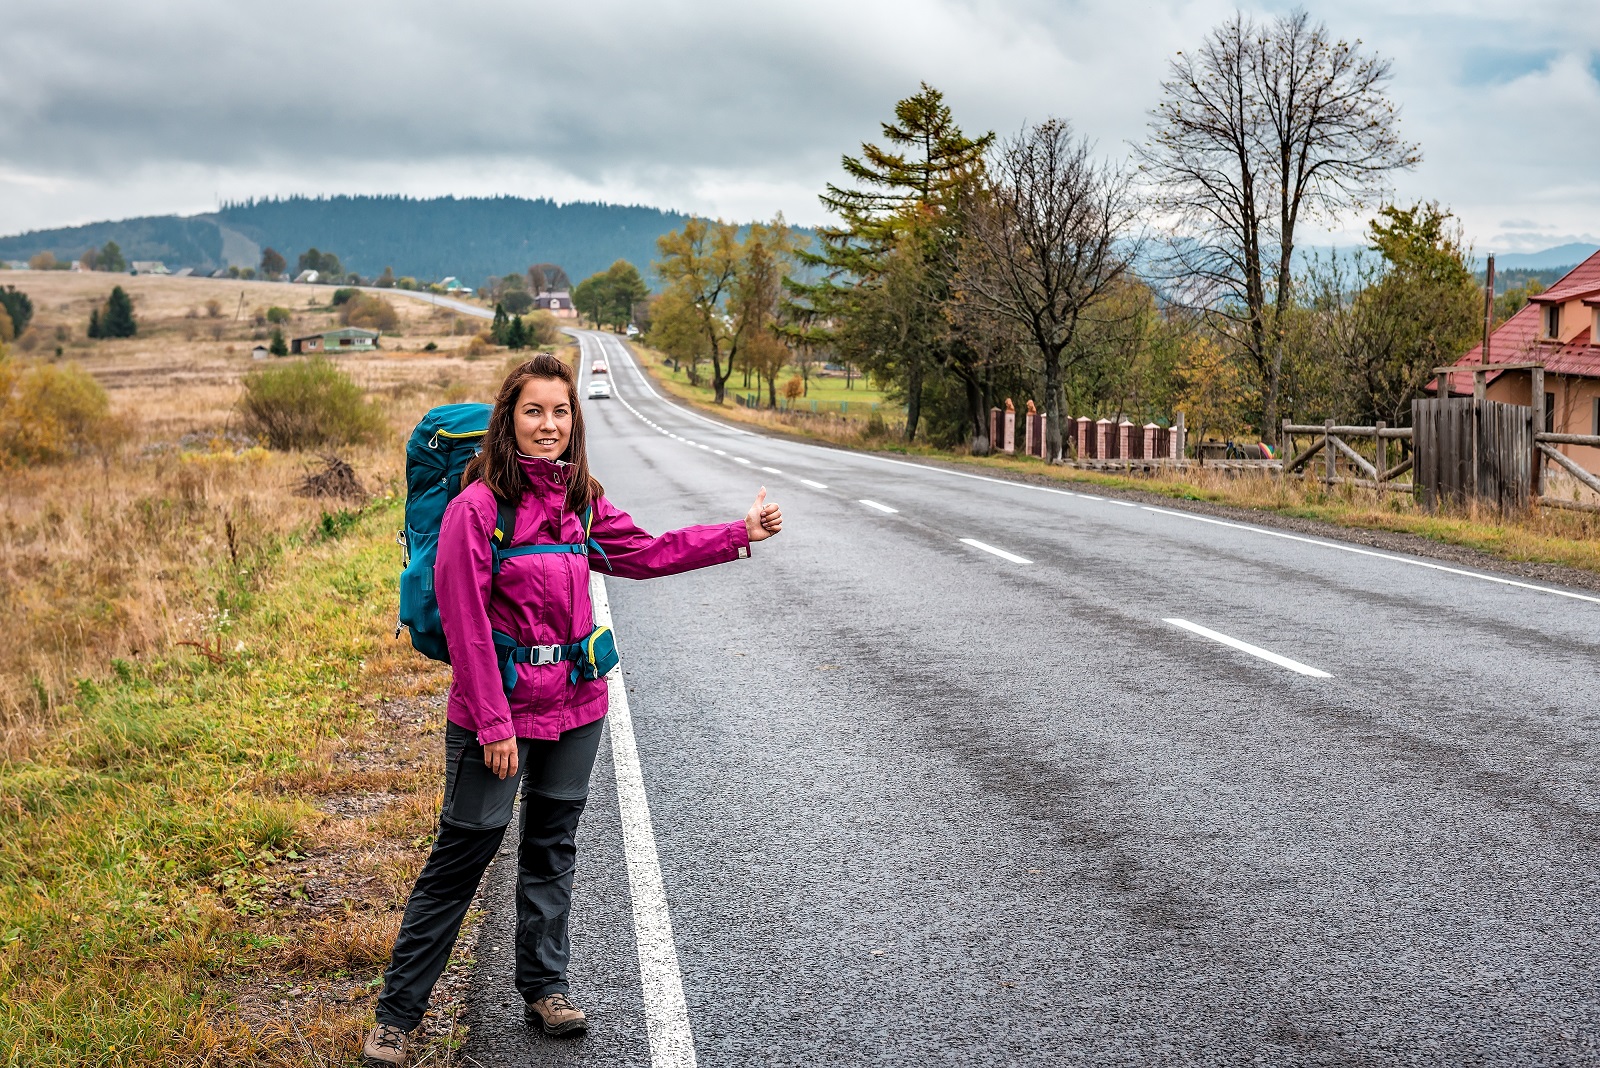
(501, 549)
(588, 539)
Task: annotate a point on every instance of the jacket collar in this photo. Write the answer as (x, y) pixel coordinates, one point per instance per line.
(543, 472)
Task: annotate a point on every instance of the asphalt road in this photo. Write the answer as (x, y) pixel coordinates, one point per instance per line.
(917, 802)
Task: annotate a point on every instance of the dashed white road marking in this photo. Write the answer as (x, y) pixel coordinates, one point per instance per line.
(666, 1012)
(772, 470)
(740, 460)
(879, 507)
(719, 452)
(986, 547)
(1245, 647)
(813, 485)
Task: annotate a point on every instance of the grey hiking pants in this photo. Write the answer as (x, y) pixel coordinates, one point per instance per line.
(554, 779)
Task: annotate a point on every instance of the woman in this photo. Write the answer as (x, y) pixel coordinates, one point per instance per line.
(544, 730)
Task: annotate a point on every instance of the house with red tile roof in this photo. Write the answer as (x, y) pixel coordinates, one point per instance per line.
(1559, 328)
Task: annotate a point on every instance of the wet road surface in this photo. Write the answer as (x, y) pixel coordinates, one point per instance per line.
(958, 771)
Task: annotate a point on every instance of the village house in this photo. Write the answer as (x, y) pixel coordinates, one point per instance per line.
(1559, 328)
(556, 302)
(344, 339)
(148, 267)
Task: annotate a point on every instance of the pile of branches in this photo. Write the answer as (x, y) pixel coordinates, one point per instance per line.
(337, 479)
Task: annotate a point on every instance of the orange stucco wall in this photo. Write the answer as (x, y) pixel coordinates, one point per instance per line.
(1573, 411)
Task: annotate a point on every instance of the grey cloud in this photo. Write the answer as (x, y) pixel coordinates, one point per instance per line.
(720, 105)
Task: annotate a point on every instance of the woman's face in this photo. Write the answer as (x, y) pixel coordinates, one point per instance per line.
(543, 418)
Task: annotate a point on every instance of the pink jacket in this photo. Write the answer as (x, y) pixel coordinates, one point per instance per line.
(543, 599)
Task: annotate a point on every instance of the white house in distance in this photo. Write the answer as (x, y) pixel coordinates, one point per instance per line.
(557, 302)
(148, 267)
(344, 339)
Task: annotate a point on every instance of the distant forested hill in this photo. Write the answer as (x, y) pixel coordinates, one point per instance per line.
(470, 238)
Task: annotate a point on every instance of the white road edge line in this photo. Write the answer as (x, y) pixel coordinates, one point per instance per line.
(1339, 546)
(1245, 647)
(1001, 553)
(666, 1012)
(879, 507)
(813, 485)
(1373, 553)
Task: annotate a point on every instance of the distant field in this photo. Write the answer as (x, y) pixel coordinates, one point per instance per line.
(825, 394)
(181, 373)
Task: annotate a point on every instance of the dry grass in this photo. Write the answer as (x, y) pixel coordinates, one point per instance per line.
(219, 770)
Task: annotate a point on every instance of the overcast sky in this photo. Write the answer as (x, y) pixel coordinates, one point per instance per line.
(739, 108)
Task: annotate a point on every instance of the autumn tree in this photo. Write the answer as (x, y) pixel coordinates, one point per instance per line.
(1047, 244)
(272, 263)
(1263, 128)
(1383, 326)
(724, 291)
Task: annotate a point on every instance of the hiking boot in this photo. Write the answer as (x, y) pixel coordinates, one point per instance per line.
(556, 1015)
(387, 1047)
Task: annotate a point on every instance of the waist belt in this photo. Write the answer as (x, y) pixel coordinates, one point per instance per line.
(511, 654)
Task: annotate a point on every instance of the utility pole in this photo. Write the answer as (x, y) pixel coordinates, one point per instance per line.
(1488, 307)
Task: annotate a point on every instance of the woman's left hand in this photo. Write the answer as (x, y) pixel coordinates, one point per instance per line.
(763, 520)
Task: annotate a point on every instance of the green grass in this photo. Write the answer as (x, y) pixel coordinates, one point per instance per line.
(828, 394)
(138, 846)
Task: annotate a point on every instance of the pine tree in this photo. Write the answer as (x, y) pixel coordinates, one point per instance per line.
(94, 323)
(110, 259)
(516, 334)
(497, 331)
(905, 206)
(277, 346)
(118, 320)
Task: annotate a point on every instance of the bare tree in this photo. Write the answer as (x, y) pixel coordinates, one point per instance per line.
(1263, 128)
(1051, 237)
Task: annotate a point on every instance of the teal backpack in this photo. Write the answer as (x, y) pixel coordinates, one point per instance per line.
(436, 457)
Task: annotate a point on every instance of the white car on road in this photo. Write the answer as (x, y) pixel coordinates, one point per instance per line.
(600, 389)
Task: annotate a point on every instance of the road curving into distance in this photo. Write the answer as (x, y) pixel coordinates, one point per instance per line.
(961, 771)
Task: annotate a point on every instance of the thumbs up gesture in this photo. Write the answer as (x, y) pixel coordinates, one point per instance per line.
(763, 520)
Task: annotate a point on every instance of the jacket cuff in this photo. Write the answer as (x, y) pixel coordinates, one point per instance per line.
(741, 540)
(497, 732)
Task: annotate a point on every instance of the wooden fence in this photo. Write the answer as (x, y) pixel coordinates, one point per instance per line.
(1462, 449)
(1330, 441)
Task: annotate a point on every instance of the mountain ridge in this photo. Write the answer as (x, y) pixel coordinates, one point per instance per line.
(471, 238)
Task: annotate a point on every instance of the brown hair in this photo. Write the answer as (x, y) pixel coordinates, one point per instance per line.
(496, 463)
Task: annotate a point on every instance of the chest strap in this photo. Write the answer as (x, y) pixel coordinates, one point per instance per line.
(504, 520)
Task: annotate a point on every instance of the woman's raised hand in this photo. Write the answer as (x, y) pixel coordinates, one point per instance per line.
(763, 520)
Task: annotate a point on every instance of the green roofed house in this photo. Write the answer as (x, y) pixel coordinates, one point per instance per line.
(344, 339)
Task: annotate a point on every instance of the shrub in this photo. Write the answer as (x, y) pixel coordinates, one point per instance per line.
(48, 413)
(373, 313)
(115, 319)
(42, 261)
(308, 404)
(276, 314)
(517, 301)
(213, 308)
(344, 296)
(18, 307)
(7, 331)
(543, 328)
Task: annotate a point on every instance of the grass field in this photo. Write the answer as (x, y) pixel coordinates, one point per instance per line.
(218, 768)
